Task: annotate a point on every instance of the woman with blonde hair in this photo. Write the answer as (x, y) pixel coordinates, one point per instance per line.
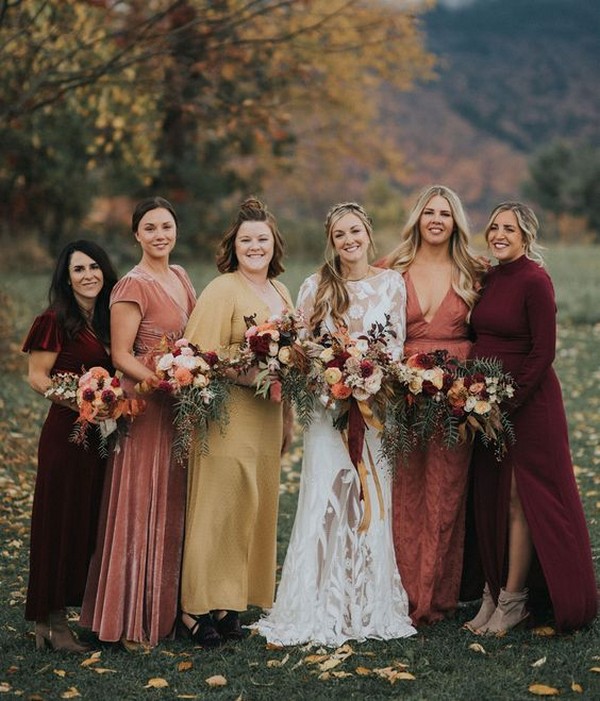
(339, 579)
(442, 279)
(531, 529)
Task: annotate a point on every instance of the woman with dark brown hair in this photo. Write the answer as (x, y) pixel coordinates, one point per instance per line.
(233, 491)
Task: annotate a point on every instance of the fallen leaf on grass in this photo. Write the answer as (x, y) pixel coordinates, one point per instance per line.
(184, 665)
(71, 693)
(329, 664)
(4, 687)
(363, 671)
(156, 683)
(104, 670)
(278, 663)
(216, 680)
(577, 688)
(543, 690)
(60, 672)
(544, 631)
(477, 647)
(539, 663)
(313, 659)
(273, 646)
(594, 669)
(94, 658)
(393, 675)
(341, 675)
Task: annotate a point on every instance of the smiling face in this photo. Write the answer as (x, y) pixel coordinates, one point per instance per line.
(436, 222)
(350, 240)
(254, 247)
(505, 237)
(86, 278)
(156, 233)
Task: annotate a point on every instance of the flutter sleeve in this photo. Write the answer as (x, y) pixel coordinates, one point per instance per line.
(44, 335)
(210, 324)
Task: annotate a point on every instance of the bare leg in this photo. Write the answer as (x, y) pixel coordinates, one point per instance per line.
(520, 546)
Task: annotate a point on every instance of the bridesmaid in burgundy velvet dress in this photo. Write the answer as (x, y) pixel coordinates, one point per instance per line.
(73, 333)
(531, 528)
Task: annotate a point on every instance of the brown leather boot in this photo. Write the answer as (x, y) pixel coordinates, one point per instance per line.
(57, 634)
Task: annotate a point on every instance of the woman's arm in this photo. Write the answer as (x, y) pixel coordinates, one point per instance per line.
(40, 366)
(125, 319)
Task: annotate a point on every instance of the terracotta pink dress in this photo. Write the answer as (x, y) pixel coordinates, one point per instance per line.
(133, 584)
(429, 492)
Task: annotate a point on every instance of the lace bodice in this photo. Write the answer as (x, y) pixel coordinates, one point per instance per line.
(370, 300)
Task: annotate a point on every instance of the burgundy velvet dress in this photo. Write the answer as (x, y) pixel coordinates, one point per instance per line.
(429, 491)
(133, 584)
(514, 321)
(68, 486)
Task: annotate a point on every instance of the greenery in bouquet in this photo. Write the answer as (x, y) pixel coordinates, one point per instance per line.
(276, 349)
(200, 386)
(101, 402)
(437, 397)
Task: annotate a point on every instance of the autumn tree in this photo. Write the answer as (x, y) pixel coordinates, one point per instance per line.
(197, 99)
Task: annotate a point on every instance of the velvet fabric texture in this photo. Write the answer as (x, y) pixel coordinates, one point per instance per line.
(515, 322)
(233, 491)
(430, 488)
(68, 484)
(133, 585)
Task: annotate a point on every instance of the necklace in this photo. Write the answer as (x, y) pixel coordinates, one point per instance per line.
(358, 279)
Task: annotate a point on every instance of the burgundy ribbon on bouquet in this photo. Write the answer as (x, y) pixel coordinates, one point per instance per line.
(359, 416)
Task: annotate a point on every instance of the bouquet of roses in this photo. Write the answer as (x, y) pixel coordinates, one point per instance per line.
(197, 379)
(438, 397)
(275, 348)
(101, 402)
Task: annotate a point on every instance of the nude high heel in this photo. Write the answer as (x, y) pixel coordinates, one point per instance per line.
(510, 613)
(485, 612)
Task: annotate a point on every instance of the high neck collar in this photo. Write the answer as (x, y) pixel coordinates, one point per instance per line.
(513, 266)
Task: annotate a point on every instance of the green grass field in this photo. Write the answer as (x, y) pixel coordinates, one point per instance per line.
(447, 663)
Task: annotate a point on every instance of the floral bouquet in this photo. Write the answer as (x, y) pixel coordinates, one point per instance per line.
(438, 397)
(282, 361)
(197, 379)
(349, 376)
(101, 401)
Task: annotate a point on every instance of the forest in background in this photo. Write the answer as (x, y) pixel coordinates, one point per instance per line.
(303, 102)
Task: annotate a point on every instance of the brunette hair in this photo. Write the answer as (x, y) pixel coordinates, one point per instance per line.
(332, 296)
(142, 208)
(251, 210)
(62, 300)
(468, 269)
(528, 223)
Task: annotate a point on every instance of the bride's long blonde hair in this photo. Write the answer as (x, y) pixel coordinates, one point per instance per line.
(332, 296)
(468, 270)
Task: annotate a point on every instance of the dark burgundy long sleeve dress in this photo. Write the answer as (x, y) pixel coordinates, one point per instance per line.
(68, 486)
(515, 321)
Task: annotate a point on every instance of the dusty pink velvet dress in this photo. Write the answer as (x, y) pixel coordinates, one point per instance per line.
(429, 492)
(133, 583)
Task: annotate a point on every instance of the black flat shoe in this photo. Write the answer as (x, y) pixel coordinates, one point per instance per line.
(203, 632)
(229, 627)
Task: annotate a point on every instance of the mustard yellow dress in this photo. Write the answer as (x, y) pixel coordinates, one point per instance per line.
(229, 555)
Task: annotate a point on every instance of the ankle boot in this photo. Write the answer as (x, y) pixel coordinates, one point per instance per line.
(510, 612)
(57, 634)
(485, 612)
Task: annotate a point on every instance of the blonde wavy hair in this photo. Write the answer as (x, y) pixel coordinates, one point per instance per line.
(528, 223)
(332, 295)
(468, 270)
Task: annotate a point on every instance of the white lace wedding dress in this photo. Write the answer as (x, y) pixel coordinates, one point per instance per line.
(338, 584)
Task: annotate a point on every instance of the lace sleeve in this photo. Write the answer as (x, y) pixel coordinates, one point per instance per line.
(397, 293)
(306, 298)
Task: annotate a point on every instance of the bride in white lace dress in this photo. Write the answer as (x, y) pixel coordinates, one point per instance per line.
(338, 583)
